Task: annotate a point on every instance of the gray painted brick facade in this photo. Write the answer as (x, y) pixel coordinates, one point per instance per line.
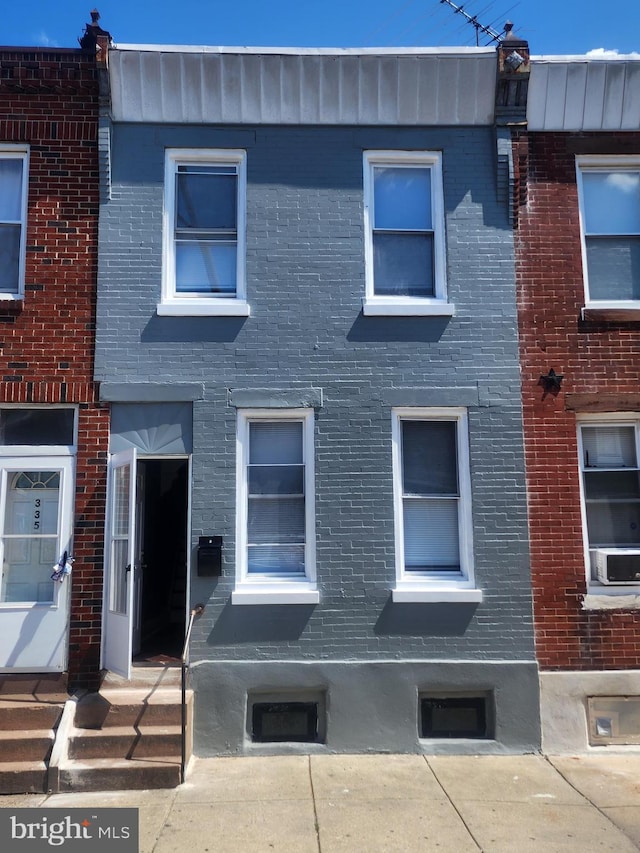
(307, 337)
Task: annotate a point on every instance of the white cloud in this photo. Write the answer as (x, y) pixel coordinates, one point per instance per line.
(605, 53)
(43, 40)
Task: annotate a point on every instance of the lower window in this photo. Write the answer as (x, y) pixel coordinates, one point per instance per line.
(277, 722)
(611, 499)
(275, 529)
(432, 496)
(455, 717)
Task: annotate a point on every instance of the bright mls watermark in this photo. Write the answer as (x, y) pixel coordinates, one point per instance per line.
(69, 830)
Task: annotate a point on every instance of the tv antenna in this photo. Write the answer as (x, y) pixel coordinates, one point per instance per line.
(493, 35)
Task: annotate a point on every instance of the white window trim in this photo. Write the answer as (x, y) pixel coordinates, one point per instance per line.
(432, 586)
(64, 464)
(437, 305)
(171, 303)
(264, 589)
(19, 152)
(601, 163)
(599, 595)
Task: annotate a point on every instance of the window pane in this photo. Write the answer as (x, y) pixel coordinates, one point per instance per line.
(613, 524)
(10, 189)
(30, 535)
(275, 521)
(429, 458)
(276, 559)
(9, 257)
(276, 480)
(403, 264)
(609, 447)
(33, 509)
(611, 202)
(275, 443)
(206, 266)
(431, 534)
(402, 198)
(611, 484)
(614, 267)
(206, 200)
(36, 426)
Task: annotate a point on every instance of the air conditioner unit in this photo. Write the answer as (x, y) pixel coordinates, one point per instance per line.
(618, 565)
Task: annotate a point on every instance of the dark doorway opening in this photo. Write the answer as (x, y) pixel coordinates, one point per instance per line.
(162, 557)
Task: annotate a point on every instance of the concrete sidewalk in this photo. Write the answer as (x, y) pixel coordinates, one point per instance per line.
(384, 804)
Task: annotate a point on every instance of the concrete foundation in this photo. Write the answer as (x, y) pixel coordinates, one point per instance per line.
(563, 700)
(369, 706)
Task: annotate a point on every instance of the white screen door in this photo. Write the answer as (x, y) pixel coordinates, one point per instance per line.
(120, 557)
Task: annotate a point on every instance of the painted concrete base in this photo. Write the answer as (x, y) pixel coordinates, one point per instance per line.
(563, 700)
(369, 706)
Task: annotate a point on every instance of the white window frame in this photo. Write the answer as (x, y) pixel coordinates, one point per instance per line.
(438, 304)
(173, 303)
(598, 593)
(19, 152)
(601, 163)
(435, 586)
(264, 589)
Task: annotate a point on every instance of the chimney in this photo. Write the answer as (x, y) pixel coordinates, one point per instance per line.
(514, 67)
(96, 40)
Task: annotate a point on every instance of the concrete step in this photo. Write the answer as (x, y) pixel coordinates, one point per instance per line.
(109, 774)
(126, 742)
(36, 686)
(24, 712)
(130, 707)
(23, 777)
(145, 676)
(29, 745)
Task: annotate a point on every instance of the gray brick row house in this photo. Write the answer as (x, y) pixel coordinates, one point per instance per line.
(306, 332)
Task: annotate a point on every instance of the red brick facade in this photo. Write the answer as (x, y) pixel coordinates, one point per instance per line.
(49, 99)
(600, 360)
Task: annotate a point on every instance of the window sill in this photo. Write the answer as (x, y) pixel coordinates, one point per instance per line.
(612, 598)
(611, 312)
(271, 594)
(11, 297)
(426, 595)
(203, 308)
(407, 307)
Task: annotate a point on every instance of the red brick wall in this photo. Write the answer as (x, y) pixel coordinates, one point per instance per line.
(49, 99)
(595, 358)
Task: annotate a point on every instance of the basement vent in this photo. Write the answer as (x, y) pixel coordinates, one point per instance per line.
(614, 720)
(455, 717)
(277, 722)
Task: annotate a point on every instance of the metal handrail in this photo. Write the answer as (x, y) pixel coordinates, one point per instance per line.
(198, 610)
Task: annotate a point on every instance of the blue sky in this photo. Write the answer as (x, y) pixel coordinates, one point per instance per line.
(565, 27)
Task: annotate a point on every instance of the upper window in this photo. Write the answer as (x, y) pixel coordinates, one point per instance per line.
(404, 218)
(611, 493)
(13, 213)
(275, 524)
(204, 233)
(433, 499)
(609, 189)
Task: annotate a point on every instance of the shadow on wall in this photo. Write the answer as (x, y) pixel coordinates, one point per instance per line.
(427, 330)
(259, 623)
(192, 329)
(424, 620)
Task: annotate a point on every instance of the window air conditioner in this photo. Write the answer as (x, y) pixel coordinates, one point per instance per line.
(618, 566)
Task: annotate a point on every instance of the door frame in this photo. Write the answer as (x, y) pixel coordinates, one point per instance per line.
(132, 453)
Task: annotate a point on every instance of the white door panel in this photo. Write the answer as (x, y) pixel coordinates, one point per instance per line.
(119, 564)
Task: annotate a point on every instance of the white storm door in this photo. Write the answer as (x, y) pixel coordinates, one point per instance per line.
(36, 496)
(120, 556)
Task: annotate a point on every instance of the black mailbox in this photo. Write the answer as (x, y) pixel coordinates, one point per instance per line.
(209, 556)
